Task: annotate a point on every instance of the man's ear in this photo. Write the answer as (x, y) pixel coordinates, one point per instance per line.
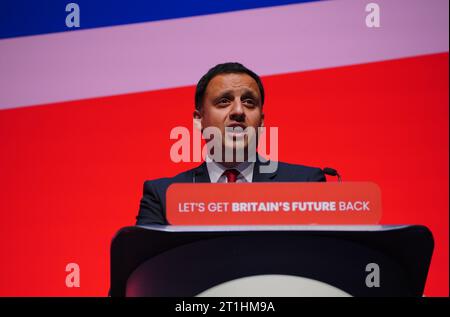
(197, 120)
(262, 120)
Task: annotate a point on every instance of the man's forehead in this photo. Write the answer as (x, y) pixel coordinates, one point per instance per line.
(232, 81)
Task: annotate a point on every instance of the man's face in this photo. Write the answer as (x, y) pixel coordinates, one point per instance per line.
(231, 100)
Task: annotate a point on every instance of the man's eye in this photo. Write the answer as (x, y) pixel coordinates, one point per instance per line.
(223, 101)
(249, 102)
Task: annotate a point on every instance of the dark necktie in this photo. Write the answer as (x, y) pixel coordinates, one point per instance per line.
(231, 175)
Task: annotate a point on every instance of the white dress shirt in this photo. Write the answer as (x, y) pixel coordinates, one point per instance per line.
(215, 171)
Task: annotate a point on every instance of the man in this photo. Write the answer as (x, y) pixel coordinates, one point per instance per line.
(228, 97)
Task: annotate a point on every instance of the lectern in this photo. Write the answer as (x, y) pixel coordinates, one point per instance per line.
(193, 260)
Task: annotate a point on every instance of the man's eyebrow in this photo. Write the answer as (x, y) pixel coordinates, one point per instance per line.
(230, 92)
(249, 93)
(226, 93)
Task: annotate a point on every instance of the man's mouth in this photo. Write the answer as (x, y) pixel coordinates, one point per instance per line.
(236, 126)
(235, 129)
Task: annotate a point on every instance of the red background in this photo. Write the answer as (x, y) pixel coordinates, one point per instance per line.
(71, 174)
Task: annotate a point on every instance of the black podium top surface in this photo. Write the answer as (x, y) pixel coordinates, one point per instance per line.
(409, 246)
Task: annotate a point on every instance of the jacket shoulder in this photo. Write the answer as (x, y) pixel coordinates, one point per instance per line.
(297, 172)
(165, 182)
(152, 208)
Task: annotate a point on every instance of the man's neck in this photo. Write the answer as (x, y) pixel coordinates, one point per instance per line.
(232, 164)
(229, 165)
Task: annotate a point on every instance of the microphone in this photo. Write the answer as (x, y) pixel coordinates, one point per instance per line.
(332, 172)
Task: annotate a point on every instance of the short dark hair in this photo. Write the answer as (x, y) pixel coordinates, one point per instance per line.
(225, 68)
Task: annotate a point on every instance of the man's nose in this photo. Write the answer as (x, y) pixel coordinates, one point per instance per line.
(237, 111)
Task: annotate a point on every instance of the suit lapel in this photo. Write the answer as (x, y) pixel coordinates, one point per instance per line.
(200, 174)
(262, 177)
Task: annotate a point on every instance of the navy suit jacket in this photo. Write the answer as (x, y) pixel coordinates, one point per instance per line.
(153, 203)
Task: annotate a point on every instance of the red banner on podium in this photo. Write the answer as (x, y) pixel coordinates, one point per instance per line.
(346, 203)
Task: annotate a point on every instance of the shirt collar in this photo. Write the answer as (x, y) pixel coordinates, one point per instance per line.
(215, 170)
